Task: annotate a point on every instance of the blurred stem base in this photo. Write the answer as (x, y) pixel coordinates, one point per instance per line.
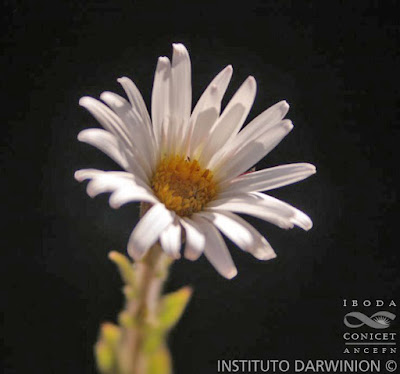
(137, 345)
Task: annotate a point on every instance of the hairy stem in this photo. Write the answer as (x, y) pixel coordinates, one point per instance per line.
(151, 273)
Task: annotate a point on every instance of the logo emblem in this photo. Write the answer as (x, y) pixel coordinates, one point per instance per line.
(379, 320)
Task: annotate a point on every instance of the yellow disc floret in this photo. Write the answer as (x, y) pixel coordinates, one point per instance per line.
(183, 185)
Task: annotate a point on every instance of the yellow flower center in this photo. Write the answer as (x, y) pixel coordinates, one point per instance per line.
(183, 185)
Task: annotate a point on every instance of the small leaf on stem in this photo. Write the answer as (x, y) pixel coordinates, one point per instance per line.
(105, 357)
(125, 267)
(160, 362)
(172, 307)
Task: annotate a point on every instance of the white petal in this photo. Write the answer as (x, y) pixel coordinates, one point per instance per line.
(174, 134)
(160, 96)
(136, 99)
(111, 122)
(213, 94)
(198, 139)
(123, 186)
(260, 125)
(207, 109)
(138, 132)
(170, 239)
(246, 205)
(267, 179)
(128, 195)
(105, 142)
(232, 119)
(123, 109)
(230, 166)
(135, 167)
(195, 239)
(166, 141)
(107, 182)
(83, 174)
(108, 119)
(148, 230)
(241, 233)
(217, 137)
(215, 249)
(264, 207)
(295, 215)
(181, 93)
(115, 149)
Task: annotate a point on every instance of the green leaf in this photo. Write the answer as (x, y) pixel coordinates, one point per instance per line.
(172, 307)
(155, 336)
(126, 320)
(160, 362)
(125, 267)
(129, 293)
(110, 334)
(104, 357)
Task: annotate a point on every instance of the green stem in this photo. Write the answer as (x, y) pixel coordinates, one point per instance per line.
(138, 344)
(151, 273)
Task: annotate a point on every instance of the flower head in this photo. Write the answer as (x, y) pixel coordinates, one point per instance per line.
(190, 166)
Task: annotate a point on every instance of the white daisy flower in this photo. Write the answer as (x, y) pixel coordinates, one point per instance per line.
(191, 166)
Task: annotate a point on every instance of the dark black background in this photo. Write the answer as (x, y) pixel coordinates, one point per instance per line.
(335, 62)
